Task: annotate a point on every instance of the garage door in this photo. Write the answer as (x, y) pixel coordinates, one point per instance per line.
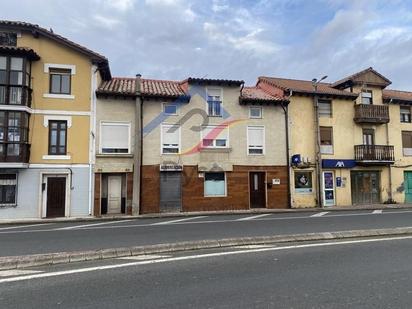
(170, 191)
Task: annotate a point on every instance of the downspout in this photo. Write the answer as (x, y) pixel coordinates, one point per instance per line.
(318, 154)
(137, 162)
(92, 144)
(285, 108)
(390, 197)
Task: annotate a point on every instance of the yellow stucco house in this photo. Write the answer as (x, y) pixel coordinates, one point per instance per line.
(47, 107)
(350, 141)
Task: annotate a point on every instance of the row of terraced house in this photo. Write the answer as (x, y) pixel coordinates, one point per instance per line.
(75, 141)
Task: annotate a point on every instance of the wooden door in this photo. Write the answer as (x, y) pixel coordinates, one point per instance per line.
(56, 197)
(114, 194)
(257, 190)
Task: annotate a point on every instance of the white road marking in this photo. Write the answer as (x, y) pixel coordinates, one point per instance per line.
(89, 225)
(273, 218)
(23, 226)
(377, 212)
(18, 272)
(319, 214)
(253, 246)
(177, 220)
(198, 256)
(144, 257)
(253, 217)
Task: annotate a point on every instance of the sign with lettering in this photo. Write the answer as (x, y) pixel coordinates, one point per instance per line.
(171, 167)
(343, 163)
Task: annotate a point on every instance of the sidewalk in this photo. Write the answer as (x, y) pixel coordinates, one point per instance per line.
(205, 213)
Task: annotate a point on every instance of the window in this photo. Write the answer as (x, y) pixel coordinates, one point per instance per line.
(255, 112)
(8, 184)
(214, 102)
(60, 81)
(325, 108)
(170, 109)
(255, 140)
(303, 182)
(366, 97)
(8, 38)
(405, 114)
(13, 134)
(407, 143)
(115, 137)
(57, 137)
(326, 140)
(170, 139)
(13, 79)
(215, 184)
(215, 136)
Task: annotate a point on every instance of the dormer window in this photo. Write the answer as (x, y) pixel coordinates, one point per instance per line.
(367, 97)
(8, 39)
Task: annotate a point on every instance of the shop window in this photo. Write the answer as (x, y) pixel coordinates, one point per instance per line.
(215, 184)
(303, 182)
(8, 189)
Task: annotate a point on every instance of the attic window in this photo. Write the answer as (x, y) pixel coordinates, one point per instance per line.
(8, 38)
(367, 97)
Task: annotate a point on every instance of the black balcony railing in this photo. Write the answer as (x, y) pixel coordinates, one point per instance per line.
(14, 152)
(368, 113)
(374, 153)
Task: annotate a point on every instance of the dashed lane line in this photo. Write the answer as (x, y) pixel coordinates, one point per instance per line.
(178, 220)
(319, 214)
(377, 212)
(89, 225)
(253, 217)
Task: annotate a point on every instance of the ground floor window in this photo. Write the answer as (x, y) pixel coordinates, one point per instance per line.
(215, 184)
(8, 189)
(303, 182)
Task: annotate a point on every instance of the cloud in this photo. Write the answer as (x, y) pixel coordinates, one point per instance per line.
(106, 22)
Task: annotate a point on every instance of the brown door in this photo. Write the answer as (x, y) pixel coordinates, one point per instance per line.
(56, 196)
(257, 190)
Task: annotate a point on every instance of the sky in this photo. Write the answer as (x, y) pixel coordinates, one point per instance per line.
(243, 39)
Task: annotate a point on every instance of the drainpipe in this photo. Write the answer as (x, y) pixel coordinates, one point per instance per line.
(317, 150)
(137, 157)
(390, 197)
(286, 111)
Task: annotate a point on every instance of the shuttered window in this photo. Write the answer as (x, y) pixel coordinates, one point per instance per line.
(405, 114)
(115, 137)
(326, 140)
(407, 143)
(170, 139)
(325, 108)
(215, 136)
(256, 140)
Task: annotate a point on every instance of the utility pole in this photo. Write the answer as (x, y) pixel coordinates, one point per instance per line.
(318, 159)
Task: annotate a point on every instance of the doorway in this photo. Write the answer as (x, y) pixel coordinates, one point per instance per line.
(114, 199)
(365, 187)
(257, 189)
(170, 191)
(329, 188)
(56, 197)
(408, 187)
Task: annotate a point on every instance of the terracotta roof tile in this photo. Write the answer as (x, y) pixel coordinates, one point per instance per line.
(305, 86)
(161, 88)
(256, 94)
(118, 86)
(397, 95)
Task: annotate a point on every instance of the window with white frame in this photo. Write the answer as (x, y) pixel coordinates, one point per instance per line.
(215, 184)
(366, 96)
(169, 109)
(255, 112)
(216, 136)
(405, 114)
(170, 139)
(8, 189)
(214, 102)
(115, 137)
(256, 140)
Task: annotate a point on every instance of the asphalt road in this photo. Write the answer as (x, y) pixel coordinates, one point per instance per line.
(60, 237)
(353, 274)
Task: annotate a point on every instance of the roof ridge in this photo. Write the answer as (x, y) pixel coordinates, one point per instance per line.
(396, 90)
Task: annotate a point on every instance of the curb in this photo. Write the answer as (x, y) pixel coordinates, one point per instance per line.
(15, 262)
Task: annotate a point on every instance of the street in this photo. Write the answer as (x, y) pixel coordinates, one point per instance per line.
(60, 237)
(367, 273)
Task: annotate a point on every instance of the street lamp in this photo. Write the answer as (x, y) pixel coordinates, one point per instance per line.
(315, 83)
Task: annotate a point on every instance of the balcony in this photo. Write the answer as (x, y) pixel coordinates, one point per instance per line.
(368, 113)
(15, 95)
(14, 153)
(374, 154)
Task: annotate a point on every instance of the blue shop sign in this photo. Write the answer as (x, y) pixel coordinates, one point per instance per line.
(331, 163)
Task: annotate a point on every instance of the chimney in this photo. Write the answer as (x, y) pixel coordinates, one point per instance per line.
(138, 83)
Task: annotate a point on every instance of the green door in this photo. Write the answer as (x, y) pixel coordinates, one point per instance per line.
(408, 187)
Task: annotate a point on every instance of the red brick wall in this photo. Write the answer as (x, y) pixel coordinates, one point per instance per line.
(193, 189)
